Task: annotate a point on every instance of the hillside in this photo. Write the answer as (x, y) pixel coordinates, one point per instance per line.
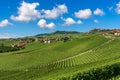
(40, 61)
(60, 40)
(60, 32)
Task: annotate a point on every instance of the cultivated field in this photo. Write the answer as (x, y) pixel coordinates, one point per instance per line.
(60, 60)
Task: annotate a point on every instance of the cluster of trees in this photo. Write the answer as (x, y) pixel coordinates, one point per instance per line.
(60, 32)
(66, 32)
(104, 73)
(4, 48)
(65, 39)
(93, 31)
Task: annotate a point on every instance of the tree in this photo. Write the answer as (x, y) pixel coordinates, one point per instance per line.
(2, 45)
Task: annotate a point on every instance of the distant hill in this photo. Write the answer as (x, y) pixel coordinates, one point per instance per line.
(65, 32)
(59, 32)
(93, 31)
(83, 57)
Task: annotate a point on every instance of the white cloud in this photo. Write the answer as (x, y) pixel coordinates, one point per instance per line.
(69, 21)
(5, 23)
(7, 35)
(99, 12)
(83, 14)
(79, 22)
(96, 21)
(55, 12)
(118, 8)
(42, 24)
(27, 12)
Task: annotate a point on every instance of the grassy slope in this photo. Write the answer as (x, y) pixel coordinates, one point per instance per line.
(96, 58)
(38, 54)
(104, 55)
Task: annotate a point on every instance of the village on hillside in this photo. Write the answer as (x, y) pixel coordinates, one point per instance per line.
(39, 39)
(109, 33)
(21, 43)
(113, 33)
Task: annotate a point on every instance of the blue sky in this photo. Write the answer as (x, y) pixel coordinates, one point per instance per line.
(31, 17)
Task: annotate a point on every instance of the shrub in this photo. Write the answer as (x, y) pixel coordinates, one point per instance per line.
(103, 73)
(9, 49)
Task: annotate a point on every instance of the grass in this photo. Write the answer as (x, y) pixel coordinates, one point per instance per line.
(100, 57)
(52, 61)
(37, 53)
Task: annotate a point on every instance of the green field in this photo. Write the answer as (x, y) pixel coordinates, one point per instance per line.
(40, 61)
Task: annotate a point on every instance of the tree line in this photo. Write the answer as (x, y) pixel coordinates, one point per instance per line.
(4, 48)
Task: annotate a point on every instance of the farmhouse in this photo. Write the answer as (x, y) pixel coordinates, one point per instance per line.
(104, 33)
(116, 32)
(22, 44)
(47, 40)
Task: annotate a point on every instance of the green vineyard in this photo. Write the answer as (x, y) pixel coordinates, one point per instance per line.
(39, 61)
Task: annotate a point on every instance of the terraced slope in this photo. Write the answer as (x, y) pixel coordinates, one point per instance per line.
(46, 61)
(106, 54)
(37, 53)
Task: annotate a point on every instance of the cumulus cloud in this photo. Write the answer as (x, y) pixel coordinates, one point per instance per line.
(118, 8)
(55, 12)
(96, 21)
(79, 22)
(7, 35)
(5, 23)
(99, 12)
(83, 14)
(69, 21)
(42, 24)
(27, 12)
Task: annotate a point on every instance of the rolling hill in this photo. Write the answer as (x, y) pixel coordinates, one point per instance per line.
(59, 60)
